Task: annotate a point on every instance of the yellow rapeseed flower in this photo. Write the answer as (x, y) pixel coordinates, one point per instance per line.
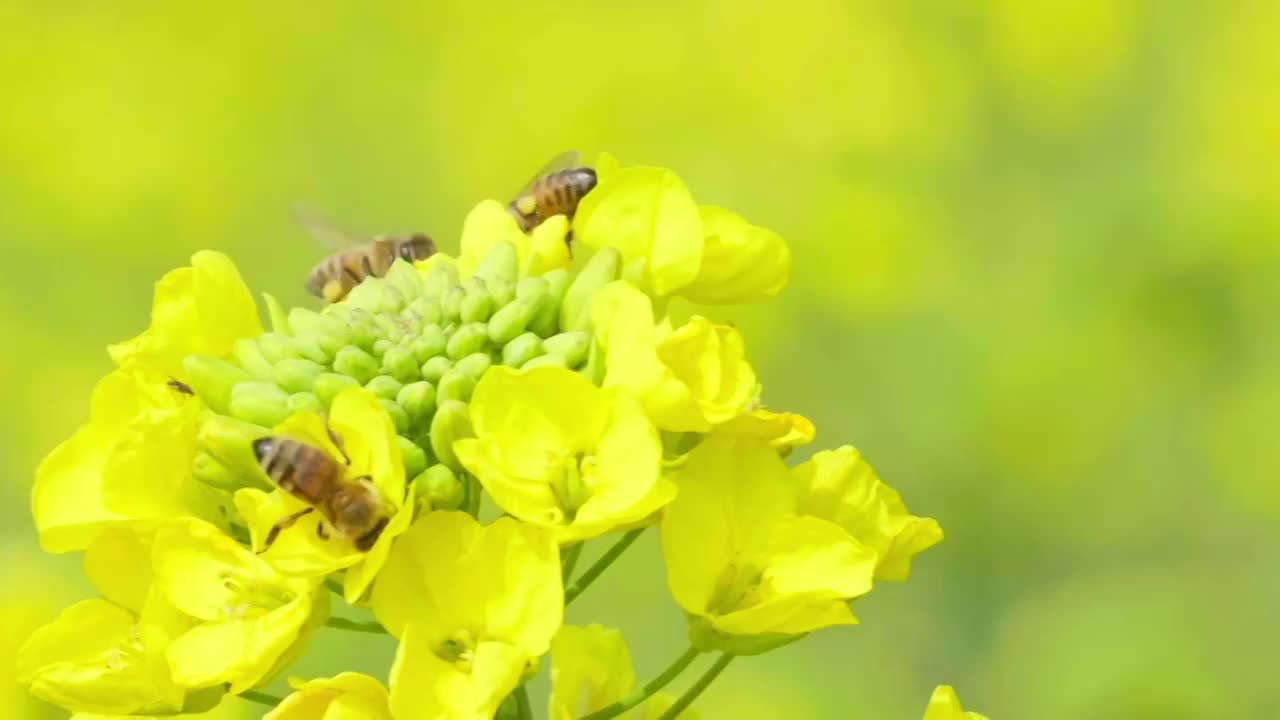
(490, 224)
(130, 463)
(201, 309)
(748, 570)
(944, 705)
(345, 696)
(554, 450)
(369, 440)
(838, 485)
(249, 617)
(590, 670)
(689, 379)
(473, 607)
(107, 655)
(741, 263)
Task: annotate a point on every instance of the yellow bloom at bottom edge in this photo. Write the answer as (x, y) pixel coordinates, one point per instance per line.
(944, 705)
(590, 670)
(348, 695)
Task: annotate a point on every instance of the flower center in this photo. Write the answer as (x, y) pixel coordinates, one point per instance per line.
(737, 588)
(249, 598)
(574, 484)
(458, 649)
(128, 651)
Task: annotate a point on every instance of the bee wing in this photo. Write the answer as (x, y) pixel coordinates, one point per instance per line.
(563, 161)
(322, 228)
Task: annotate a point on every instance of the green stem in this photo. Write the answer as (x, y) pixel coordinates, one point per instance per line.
(641, 694)
(356, 625)
(522, 704)
(693, 692)
(334, 586)
(569, 560)
(593, 572)
(474, 493)
(261, 698)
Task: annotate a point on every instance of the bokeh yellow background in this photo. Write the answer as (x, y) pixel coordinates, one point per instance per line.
(1037, 283)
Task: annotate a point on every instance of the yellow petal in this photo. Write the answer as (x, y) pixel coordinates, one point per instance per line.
(66, 500)
(118, 563)
(486, 225)
(838, 485)
(590, 669)
(548, 247)
(346, 696)
(944, 705)
(778, 430)
(425, 685)
(741, 263)
(710, 360)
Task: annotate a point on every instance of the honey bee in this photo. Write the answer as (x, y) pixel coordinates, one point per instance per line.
(351, 507)
(333, 277)
(555, 190)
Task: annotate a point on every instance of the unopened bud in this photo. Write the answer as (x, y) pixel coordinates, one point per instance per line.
(328, 385)
(455, 385)
(276, 347)
(309, 346)
(214, 474)
(440, 487)
(545, 361)
(500, 263)
(477, 306)
(451, 422)
(297, 374)
(309, 322)
(229, 442)
(572, 346)
(594, 368)
(546, 321)
(502, 292)
(521, 350)
(511, 320)
(212, 379)
(384, 386)
(601, 269)
(356, 363)
(415, 459)
(248, 356)
(418, 400)
(452, 304)
(381, 345)
(404, 278)
(259, 402)
(430, 343)
(467, 339)
(364, 331)
(441, 278)
(400, 364)
(398, 416)
(474, 365)
(301, 402)
(427, 309)
(435, 368)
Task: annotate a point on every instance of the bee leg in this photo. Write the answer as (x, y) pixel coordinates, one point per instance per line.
(337, 442)
(282, 524)
(568, 243)
(321, 532)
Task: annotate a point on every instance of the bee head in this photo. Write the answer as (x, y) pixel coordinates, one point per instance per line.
(262, 447)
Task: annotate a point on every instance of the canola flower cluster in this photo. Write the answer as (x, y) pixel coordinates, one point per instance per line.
(555, 385)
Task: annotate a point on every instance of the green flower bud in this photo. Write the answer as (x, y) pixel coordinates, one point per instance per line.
(304, 402)
(546, 321)
(477, 306)
(384, 386)
(411, 322)
(435, 368)
(427, 309)
(455, 386)
(418, 400)
(601, 269)
(276, 347)
(430, 343)
(212, 379)
(474, 365)
(259, 402)
(229, 442)
(452, 304)
(441, 278)
(249, 357)
(452, 422)
(405, 279)
(390, 327)
(364, 331)
(309, 347)
(356, 363)
(328, 385)
(511, 320)
(467, 339)
(297, 374)
(400, 363)
(398, 416)
(440, 487)
(500, 263)
(521, 350)
(415, 458)
(594, 368)
(309, 322)
(275, 314)
(545, 360)
(381, 345)
(572, 346)
(502, 292)
(214, 474)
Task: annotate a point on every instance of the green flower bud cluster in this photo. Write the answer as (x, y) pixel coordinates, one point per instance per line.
(418, 341)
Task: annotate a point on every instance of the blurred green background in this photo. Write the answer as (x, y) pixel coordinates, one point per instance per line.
(1037, 283)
